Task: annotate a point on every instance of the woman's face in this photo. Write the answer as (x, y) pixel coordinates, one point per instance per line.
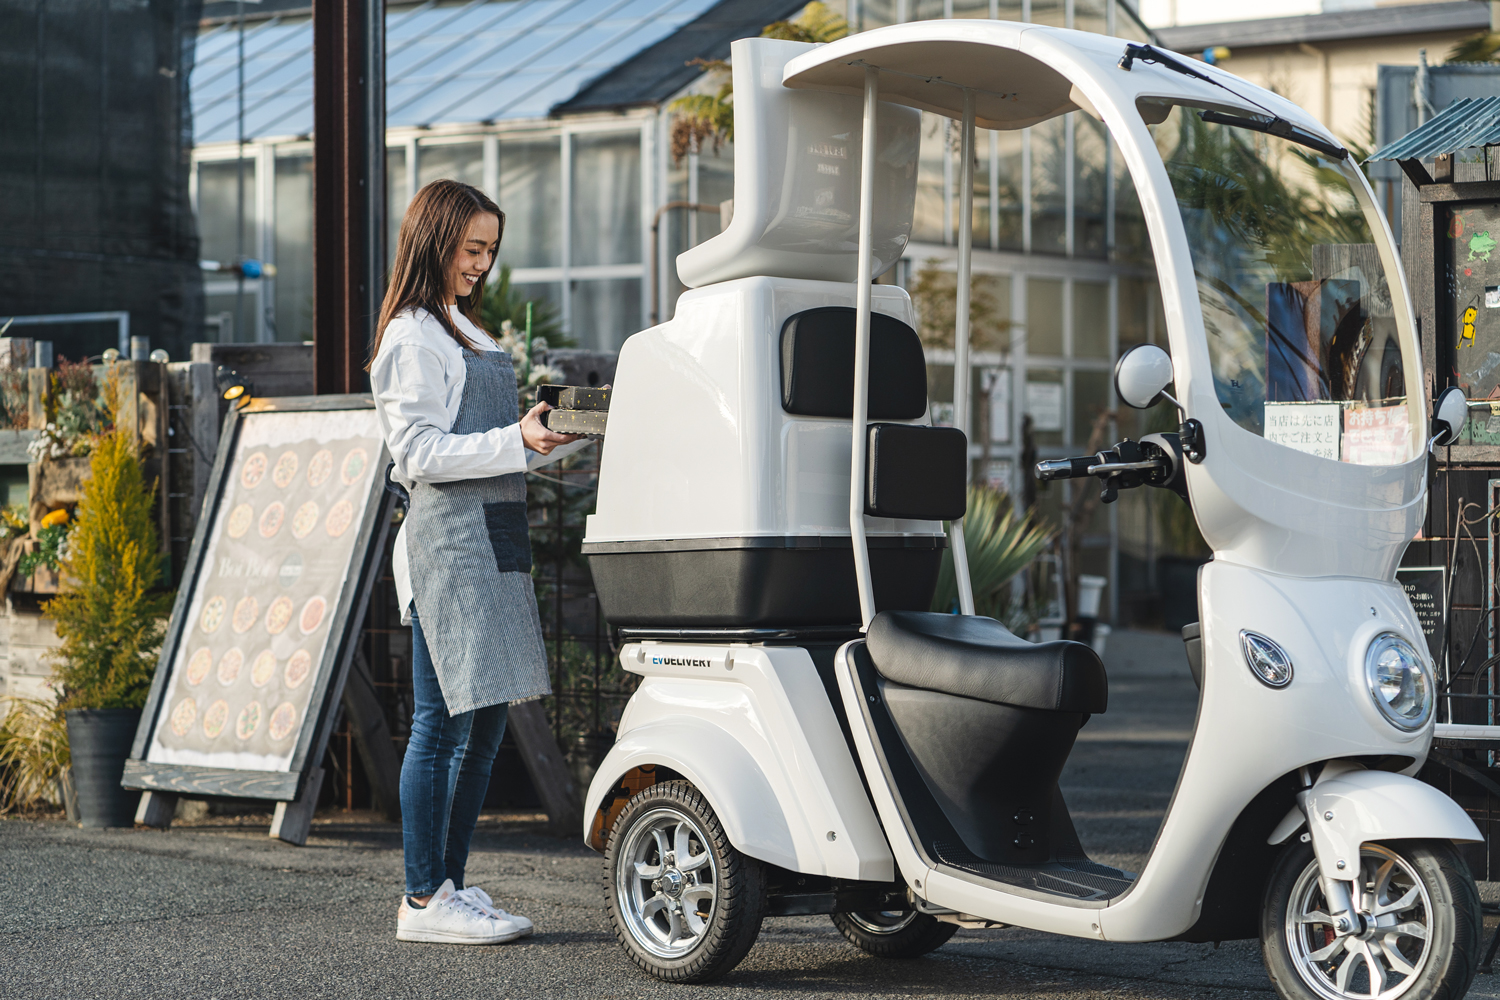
(475, 257)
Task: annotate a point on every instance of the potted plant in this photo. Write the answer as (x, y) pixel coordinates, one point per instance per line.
(112, 622)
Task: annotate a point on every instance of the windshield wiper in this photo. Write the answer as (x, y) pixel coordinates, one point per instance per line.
(1276, 126)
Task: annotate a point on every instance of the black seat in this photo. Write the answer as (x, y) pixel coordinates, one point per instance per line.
(979, 658)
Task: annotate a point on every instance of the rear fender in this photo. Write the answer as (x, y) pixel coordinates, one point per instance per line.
(717, 765)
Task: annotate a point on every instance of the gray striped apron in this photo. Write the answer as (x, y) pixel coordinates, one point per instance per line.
(470, 555)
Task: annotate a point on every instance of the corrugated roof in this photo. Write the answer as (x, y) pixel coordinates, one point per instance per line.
(486, 60)
(1406, 19)
(659, 71)
(1473, 121)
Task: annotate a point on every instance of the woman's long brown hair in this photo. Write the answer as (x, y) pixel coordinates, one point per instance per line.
(431, 234)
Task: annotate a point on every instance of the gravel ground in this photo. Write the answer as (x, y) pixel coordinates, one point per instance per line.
(218, 910)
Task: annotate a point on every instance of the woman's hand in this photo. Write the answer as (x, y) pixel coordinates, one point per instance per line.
(537, 437)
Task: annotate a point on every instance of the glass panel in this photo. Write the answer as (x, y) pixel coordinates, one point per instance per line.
(1473, 339)
(1090, 15)
(1132, 242)
(1044, 317)
(980, 220)
(607, 201)
(674, 234)
(1296, 308)
(715, 186)
(1009, 10)
(1090, 205)
(605, 312)
(925, 10)
(544, 322)
(462, 161)
(876, 13)
(1008, 189)
(940, 394)
(1049, 167)
(1090, 319)
(1091, 398)
(1044, 404)
(531, 198)
(219, 314)
(1127, 25)
(927, 222)
(218, 210)
(989, 312)
(973, 8)
(1137, 302)
(992, 411)
(395, 198)
(1051, 12)
(294, 265)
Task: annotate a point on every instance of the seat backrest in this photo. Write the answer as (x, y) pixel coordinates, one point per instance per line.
(817, 366)
(917, 472)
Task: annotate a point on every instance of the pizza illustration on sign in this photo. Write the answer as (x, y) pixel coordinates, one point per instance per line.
(282, 720)
(271, 518)
(253, 471)
(213, 614)
(279, 615)
(245, 614)
(312, 615)
(248, 722)
(354, 466)
(320, 468)
(286, 470)
(183, 716)
(229, 667)
(339, 518)
(262, 670)
(305, 520)
(214, 719)
(298, 667)
(198, 666)
(240, 520)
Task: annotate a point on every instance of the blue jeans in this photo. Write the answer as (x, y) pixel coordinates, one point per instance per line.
(444, 777)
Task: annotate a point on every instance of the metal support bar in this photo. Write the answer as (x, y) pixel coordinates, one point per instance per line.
(859, 451)
(348, 188)
(656, 249)
(961, 377)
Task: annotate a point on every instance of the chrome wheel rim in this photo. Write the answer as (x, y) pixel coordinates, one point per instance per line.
(883, 921)
(666, 883)
(1384, 955)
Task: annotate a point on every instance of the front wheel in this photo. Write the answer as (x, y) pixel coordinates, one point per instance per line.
(1417, 934)
(893, 933)
(685, 904)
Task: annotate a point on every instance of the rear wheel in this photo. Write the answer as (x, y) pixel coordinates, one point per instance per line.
(1417, 934)
(684, 903)
(893, 933)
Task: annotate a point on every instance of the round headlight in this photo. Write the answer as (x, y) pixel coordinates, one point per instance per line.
(1266, 660)
(1399, 681)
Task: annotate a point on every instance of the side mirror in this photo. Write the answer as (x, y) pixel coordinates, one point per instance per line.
(1142, 375)
(1448, 417)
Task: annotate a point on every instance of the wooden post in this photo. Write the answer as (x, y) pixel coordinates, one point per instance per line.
(548, 769)
(128, 417)
(293, 820)
(38, 389)
(373, 738)
(156, 809)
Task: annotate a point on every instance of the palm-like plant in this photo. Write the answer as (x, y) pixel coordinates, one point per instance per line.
(1000, 544)
(33, 752)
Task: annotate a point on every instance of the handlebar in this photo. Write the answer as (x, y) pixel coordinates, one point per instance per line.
(1155, 460)
(1065, 468)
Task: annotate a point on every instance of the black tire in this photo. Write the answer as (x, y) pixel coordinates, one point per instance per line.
(1307, 959)
(718, 896)
(894, 933)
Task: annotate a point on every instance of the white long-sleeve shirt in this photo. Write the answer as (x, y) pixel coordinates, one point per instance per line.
(418, 382)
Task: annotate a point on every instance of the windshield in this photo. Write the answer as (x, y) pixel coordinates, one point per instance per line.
(1301, 331)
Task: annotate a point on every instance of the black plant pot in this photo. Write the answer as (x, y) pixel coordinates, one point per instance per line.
(99, 740)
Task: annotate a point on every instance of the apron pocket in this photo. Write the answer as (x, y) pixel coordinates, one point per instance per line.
(510, 536)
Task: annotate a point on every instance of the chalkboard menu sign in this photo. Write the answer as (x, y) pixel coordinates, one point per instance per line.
(1424, 588)
(277, 578)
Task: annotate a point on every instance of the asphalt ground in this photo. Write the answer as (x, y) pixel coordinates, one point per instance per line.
(218, 910)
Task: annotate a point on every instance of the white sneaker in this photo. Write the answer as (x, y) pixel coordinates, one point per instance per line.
(482, 899)
(452, 918)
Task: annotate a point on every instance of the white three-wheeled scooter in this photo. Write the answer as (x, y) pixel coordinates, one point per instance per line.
(808, 738)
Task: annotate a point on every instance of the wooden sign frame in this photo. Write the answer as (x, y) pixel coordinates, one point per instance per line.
(331, 672)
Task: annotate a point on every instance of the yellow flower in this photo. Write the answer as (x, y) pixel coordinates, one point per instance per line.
(59, 516)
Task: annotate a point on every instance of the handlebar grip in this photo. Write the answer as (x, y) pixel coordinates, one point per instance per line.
(1064, 468)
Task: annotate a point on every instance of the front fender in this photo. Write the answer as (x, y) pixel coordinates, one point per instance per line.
(1346, 808)
(719, 767)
